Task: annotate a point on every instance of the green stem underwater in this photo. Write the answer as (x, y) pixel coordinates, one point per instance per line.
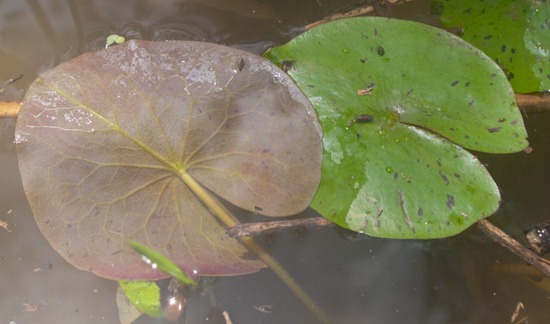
(229, 220)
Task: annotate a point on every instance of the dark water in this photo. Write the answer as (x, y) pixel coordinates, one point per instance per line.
(355, 280)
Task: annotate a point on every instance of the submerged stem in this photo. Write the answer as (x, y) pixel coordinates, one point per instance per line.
(229, 220)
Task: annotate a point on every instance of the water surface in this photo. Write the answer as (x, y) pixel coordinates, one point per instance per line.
(355, 280)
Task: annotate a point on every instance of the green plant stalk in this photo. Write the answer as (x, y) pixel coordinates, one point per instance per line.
(163, 263)
(229, 220)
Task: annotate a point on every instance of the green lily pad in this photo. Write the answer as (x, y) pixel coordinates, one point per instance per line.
(515, 33)
(394, 99)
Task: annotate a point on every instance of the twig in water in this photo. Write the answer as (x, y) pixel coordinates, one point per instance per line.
(534, 102)
(528, 103)
(9, 108)
(262, 228)
(10, 81)
(361, 11)
(497, 235)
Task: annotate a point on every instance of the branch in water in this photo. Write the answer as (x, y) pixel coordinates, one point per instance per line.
(9, 108)
(262, 228)
(497, 235)
(533, 102)
(355, 12)
(529, 103)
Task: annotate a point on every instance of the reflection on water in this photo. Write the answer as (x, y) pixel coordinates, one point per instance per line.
(39, 35)
(373, 280)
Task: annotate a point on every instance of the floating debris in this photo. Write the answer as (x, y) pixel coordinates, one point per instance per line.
(538, 237)
(5, 225)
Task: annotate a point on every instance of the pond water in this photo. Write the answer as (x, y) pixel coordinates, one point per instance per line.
(355, 280)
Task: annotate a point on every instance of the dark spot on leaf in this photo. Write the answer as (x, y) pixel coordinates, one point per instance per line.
(510, 76)
(451, 129)
(467, 84)
(363, 60)
(420, 212)
(450, 201)
(514, 122)
(494, 129)
(249, 255)
(503, 48)
(438, 162)
(548, 76)
(364, 118)
(471, 103)
(513, 50)
(444, 177)
(454, 83)
(286, 65)
(456, 219)
(395, 176)
(258, 208)
(266, 151)
(488, 37)
(240, 65)
(459, 31)
(501, 120)
(409, 92)
(380, 50)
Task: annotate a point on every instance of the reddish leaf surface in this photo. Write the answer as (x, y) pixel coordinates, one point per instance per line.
(104, 139)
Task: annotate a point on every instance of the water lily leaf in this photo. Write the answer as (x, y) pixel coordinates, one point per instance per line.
(392, 97)
(106, 141)
(516, 34)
